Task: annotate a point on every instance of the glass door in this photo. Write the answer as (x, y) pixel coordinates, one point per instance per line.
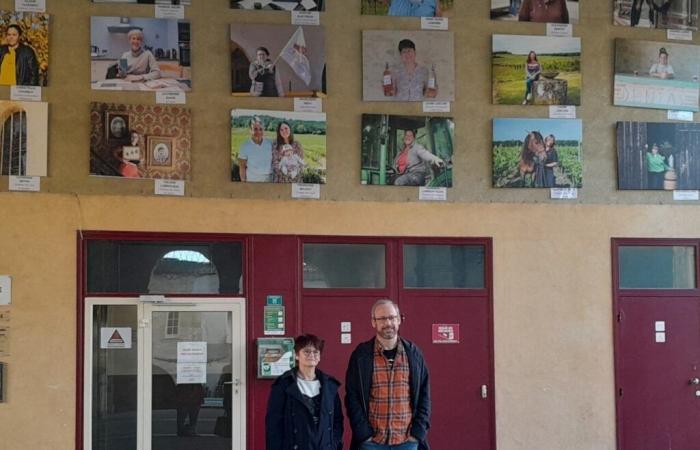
(165, 375)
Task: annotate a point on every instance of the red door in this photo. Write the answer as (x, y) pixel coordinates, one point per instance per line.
(658, 373)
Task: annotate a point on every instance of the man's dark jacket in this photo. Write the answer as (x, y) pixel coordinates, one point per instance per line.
(26, 66)
(358, 383)
(289, 422)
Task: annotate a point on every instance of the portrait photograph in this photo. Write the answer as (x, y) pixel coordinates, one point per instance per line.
(278, 60)
(546, 11)
(280, 5)
(148, 2)
(536, 70)
(669, 14)
(537, 153)
(140, 54)
(659, 75)
(658, 156)
(278, 146)
(23, 138)
(408, 8)
(24, 48)
(140, 141)
(407, 66)
(407, 150)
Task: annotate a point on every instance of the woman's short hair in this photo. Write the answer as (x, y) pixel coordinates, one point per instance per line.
(406, 43)
(16, 27)
(263, 49)
(662, 51)
(308, 340)
(133, 32)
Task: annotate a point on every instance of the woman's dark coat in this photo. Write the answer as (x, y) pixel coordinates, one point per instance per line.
(26, 66)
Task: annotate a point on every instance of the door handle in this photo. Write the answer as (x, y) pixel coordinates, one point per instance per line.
(694, 381)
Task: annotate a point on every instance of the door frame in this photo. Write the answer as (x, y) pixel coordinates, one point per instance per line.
(144, 359)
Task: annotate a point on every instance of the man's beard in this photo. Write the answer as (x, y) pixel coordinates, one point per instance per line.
(387, 332)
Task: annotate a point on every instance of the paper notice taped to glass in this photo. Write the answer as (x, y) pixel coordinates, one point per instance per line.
(191, 373)
(191, 352)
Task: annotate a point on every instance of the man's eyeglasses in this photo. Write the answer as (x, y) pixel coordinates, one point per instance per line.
(309, 352)
(386, 319)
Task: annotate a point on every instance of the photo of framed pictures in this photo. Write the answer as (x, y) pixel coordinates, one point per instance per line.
(659, 75)
(280, 5)
(537, 153)
(536, 70)
(408, 8)
(670, 14)
(549, 11)
(26, 35)
(160, 151)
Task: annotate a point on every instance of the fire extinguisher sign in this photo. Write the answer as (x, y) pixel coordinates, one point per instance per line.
(445, 333)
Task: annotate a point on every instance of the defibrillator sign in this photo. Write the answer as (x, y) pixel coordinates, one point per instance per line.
(115, 337)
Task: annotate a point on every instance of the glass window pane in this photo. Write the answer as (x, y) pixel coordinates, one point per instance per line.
(344, 266)
(655, 267)
(165, 267)
(443, 266)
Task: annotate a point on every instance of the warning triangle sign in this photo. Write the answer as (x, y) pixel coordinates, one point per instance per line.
(116, 338)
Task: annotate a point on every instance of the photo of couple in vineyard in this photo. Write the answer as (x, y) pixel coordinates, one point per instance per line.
(537, 153)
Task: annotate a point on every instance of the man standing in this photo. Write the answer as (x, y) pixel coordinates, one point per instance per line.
(387, 389)
(255, 155)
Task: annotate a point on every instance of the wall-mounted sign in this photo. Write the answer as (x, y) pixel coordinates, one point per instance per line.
(273, 316)
(274, 300)
(5, 290)
(191, 352)
(275, 356)
(115, 337)
(445, 333)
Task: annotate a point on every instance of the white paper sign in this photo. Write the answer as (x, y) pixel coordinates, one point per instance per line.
(170, 187)
(25, 184)
(686, 195)
(346, 327)
(434, 23)
(680, 115)
(563, 193)
(191, 352)
(559, 29)
(26, 93)
(345, 338)
(115, 337)
(679, 35)
(433, 194)
(171, 97)
(5, 289)
(660, 337)
(170, 12)
(308, 104)
(306, 190)
(660, 325)
(433, 106)
(30, 5)
(305, 18)
(562, 112)
(191, 373)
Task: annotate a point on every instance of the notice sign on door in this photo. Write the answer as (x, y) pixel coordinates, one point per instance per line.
(191, 352)
(445, 333)
(113, 337)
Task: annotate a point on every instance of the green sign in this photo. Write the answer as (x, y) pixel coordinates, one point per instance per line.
(275, 356)
(273, 316)
(274, 300)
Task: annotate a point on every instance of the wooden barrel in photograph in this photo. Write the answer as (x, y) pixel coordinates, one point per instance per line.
(670, 179)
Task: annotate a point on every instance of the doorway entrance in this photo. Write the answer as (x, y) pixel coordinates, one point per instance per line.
(164, 373)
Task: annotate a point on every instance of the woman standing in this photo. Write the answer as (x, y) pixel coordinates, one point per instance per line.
(656, 167)
(303, 411)
(551, 161)
(263, 75)
(286, 146)
(532, 74)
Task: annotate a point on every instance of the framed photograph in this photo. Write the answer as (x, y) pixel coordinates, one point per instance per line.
(408, 66)
(280, 5)
(537, 153)
(160, 151)
(27, 34)
(408, 8)
(659, 75)
(116, 126)
(670, 14)
(24, 141)
(148, 2)
(658, 156)
(278, 146)
(140, 54)
(550, 11)
(407, 150)
(536, 70)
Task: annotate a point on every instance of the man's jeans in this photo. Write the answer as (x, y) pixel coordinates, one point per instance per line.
(404, 446)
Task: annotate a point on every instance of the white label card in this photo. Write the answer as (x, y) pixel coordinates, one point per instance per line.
(680, 115)
(686, 195)
(25, 184)
(432, 194)
(170, 187)
(111, 337)
(306, 18)
(563, 193)
(30, 5)
(679, 35)
(434, 23)
(6, 290)
(191, 373)
(559, 29)
(192, 352)
(170, 11)
(433, 106)
(308, 104)
(171, 97)
(562, 112)
(306, 190)
(28, 93)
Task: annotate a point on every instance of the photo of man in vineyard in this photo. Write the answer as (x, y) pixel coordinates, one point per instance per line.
(537, 153)
(24, 53)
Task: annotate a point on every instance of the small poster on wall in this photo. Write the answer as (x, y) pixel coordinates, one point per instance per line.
(407, 150)
(27, 123)
(537, 153)
(536, 70)
(660, 75)
(549, 11)
(408, 8)
(280, 5)
(148, 2)
(26, 35)
(658, 156)
(670, 14)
